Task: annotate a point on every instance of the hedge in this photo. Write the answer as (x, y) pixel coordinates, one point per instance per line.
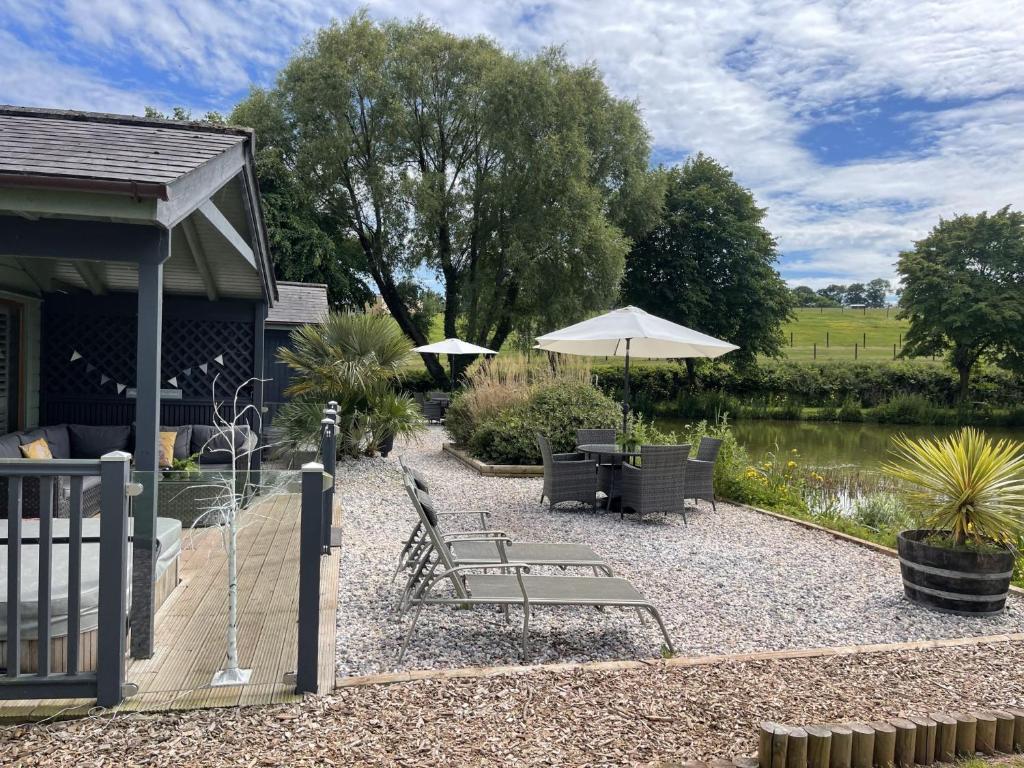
(816, 384)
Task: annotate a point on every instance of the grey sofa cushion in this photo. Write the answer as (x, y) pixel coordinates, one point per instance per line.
(212, 447)
(88, 442)
(56, 437)
(10, 446)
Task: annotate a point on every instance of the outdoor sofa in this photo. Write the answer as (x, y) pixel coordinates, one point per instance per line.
(83, 441)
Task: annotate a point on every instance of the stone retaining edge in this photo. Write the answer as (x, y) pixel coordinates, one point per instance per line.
(493, 470)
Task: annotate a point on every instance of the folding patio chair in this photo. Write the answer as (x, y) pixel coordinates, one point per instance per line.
(518, 588)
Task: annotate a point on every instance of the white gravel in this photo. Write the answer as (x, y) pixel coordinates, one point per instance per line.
(730, 581)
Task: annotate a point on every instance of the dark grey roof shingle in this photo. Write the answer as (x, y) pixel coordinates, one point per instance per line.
(298, 304)
(90, 146)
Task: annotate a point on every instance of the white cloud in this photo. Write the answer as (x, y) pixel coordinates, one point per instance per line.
(739, 79)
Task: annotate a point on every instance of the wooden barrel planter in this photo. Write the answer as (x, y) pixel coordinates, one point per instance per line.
(953, 581)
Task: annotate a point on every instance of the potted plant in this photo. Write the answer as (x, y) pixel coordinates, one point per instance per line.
(394, 414)
(967, 491)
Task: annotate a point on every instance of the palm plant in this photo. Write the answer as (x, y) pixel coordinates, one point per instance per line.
(355, 359)
(965, 484)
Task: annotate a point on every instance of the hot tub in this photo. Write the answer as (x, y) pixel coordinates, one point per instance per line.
(168, 548)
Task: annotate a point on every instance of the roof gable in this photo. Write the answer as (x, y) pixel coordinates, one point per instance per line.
(298, 304)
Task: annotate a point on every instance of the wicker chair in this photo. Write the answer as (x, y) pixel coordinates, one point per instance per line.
(605, 469)
(700, 472)
(657, 484)
(567, 477)
(433, 411)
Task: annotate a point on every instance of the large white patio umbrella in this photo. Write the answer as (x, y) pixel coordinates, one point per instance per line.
(631, 332)
(452, 347)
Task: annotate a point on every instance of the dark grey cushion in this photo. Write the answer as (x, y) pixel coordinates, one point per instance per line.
(419, 480)
(88, 442)
(182, 440)
(60, 441)
(10, 447)
(428, 507)
(212, 447)
(56, 437)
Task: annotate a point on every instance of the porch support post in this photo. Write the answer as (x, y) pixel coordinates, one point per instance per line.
(259, 371)
(147, 428)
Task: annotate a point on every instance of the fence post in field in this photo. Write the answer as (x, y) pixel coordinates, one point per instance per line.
(826, 339)
(815, 350)
(855, 350)
(791, 338)
(314, 483)
(865, 339)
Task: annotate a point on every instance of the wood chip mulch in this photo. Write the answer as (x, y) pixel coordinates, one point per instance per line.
(604, 718)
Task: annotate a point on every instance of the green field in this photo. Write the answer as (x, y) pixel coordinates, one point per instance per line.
(839, 334)
(819, 334)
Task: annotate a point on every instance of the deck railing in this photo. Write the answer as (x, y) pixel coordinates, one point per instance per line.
(314, 542)
(46, 477)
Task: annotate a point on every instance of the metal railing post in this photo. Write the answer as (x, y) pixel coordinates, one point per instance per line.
(310, 547)
(329, 455)
(113, 604)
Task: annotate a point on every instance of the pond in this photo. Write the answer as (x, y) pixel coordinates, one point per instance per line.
(832, 445)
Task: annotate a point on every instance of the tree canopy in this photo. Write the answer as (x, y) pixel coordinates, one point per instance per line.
(709, 263)
(961, 291)
(805, 296)
(874, 294)
(519, 181)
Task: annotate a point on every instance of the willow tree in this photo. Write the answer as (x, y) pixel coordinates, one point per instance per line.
(519, 181)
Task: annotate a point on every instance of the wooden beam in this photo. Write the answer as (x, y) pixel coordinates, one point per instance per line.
(186, 193)
(80, 239)
(37, 273)
(90, 275)
(195, 247)
(51, 202)
(219, 222)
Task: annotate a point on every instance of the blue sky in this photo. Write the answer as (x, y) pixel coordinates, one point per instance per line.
(858, 124)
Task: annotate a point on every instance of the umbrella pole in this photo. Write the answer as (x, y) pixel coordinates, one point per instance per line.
(625, 392)
(451, 372)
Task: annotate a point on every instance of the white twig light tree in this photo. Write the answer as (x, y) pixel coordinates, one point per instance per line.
(228, 505)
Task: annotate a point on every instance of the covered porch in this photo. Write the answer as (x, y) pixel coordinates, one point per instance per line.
(134, 272)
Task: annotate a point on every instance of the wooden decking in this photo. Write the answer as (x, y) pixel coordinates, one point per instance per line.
(191, 625)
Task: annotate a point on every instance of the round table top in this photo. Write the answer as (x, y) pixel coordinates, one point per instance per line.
(605, 449)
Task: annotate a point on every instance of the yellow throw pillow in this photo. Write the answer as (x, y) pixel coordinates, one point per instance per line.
(37, 449)
(166, 448)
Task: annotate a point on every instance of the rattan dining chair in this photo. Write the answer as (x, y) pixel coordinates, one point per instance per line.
(657, 484)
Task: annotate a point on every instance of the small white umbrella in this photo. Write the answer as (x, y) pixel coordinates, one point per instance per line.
(631, 332)
(452, 347)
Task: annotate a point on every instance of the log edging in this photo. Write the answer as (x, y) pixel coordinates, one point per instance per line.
(900, 742)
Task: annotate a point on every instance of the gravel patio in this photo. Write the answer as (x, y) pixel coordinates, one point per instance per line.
(731, 581)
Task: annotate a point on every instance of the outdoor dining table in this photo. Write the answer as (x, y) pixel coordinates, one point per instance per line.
(616, 455)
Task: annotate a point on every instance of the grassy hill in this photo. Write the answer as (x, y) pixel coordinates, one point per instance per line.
(836, 331)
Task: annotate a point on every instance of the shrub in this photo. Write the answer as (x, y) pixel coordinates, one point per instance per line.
(850, 411)
(555, 410)
(356, 360)
(907, 409)
(504, 383)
